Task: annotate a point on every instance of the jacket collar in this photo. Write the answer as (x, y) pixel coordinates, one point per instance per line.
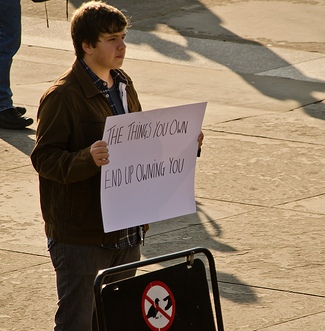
(86, 82)
(119, 77)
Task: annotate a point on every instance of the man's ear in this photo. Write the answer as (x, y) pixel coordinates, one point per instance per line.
(87, 48)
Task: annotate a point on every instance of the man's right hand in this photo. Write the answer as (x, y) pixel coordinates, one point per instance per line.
(99, 152)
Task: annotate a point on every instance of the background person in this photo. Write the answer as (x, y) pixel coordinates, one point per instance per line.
(10, 40)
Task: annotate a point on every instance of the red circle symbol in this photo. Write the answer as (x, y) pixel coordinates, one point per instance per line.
(158, 306)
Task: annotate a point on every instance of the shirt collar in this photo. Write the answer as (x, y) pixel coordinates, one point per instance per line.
(117, 76)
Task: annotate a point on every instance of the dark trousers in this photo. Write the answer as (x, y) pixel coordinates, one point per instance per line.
(76, 267)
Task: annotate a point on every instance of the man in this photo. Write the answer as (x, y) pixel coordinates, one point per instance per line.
(68, 155)
(10, 39)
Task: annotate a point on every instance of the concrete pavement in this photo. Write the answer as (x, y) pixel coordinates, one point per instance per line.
(260, 183)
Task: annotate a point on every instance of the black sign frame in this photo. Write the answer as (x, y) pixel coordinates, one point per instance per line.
(119, 305)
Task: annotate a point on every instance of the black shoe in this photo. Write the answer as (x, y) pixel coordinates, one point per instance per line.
(21, 110)
(12, 119)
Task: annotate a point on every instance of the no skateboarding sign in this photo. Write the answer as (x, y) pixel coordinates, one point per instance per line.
(158, 306)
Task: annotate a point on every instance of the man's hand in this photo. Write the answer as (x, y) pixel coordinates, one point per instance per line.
(200, 140)
(99, 152)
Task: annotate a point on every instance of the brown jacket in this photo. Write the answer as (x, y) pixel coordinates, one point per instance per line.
(71, 117)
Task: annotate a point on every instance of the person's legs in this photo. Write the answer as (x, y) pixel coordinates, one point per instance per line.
(10, 39)
(76, 267)
(74, 274)
(123, 256)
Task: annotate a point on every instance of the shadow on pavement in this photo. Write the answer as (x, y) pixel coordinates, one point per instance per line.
(20, 139)
(192, 18)
(226, 280)
(148, 17)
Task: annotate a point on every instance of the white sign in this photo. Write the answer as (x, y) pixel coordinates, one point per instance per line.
(150, 176)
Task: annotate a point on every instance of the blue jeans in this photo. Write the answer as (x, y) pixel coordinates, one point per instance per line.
(76, 267)
(10, 39)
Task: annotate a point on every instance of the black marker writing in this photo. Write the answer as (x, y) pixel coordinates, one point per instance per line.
(113, 178)
(114, 135)
(150, 170)
(139, 131)
(174, 127)
(176, 165)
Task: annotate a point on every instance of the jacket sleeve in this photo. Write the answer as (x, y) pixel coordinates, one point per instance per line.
(60, 153)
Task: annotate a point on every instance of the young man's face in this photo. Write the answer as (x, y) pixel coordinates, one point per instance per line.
(110, 50)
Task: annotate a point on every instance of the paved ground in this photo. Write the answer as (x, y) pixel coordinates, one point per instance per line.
(260, 183)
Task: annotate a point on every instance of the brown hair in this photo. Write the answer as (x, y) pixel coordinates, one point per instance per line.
(92, 19)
